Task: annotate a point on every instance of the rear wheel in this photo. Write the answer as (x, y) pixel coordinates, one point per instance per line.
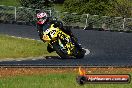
(78, 51)
(80, 54)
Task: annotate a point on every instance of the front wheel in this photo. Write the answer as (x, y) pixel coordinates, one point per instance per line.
(49, 49)
(59, 51)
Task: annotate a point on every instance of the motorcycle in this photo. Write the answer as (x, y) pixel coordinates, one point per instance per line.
(66, 46)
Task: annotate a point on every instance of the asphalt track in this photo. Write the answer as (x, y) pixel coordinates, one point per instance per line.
(106, 48)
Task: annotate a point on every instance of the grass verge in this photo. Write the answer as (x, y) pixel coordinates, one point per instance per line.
(20, 48)
(10, 2)
(58, 78)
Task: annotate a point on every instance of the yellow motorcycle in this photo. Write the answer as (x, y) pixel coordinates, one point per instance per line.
(64, 45)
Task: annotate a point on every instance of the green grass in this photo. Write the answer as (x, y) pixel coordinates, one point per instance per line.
(14, 48)
(10, 2)
(58, 7)
(63, 80)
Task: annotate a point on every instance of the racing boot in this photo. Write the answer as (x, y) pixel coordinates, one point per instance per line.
(41, 37)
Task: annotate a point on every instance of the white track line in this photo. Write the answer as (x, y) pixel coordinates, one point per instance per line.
(87, 51)
(25, 38)
(21, 59)
(34, 59)
(18, 60)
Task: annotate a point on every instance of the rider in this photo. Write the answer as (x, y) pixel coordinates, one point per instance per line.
(42, 23)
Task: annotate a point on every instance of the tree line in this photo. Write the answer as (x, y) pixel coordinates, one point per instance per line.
(122, 8)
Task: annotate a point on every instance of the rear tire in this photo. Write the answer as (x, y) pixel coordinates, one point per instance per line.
(78, 52)
(81, 54)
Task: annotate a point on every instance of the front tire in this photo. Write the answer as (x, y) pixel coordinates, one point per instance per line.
(49, 49)
(59, 51)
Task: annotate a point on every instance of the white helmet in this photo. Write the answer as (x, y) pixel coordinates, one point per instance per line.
(42, 15)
